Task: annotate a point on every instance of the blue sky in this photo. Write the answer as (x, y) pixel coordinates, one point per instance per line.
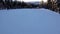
(29, 21)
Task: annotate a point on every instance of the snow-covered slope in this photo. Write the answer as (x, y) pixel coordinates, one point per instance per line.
(29, 21)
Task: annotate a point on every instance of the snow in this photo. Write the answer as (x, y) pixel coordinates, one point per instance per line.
(29, 21)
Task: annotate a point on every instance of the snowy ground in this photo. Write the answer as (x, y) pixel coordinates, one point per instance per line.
(29, 21)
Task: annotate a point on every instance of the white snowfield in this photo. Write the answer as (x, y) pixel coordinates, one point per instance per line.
(29, 21)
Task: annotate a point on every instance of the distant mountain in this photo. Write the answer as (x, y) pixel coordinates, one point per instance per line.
(33, 2)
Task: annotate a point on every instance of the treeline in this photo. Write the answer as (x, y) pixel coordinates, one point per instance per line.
(16, 4)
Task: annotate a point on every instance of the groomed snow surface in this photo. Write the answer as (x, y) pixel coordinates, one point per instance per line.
(29, 21)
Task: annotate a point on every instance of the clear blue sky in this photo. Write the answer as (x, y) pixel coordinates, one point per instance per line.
(29, 21)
